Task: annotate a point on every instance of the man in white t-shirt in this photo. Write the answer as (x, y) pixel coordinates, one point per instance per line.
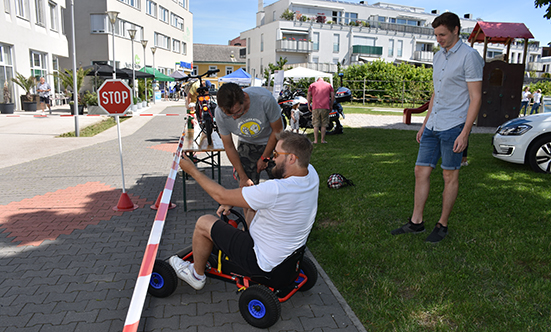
(282, 212)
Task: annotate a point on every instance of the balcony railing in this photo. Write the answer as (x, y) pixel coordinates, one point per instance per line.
(367, 50)
(289, 45)
(425, 56)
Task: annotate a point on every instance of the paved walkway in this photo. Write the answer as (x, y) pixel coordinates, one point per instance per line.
(69, 262)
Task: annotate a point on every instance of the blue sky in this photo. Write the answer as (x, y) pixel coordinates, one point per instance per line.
(218, 21)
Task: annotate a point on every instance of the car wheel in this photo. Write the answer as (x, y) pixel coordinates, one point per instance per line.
(259, 306)
(308, 268)
(163, 280)
(539, 155)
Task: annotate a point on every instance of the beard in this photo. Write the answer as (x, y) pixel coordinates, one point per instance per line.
(278, 171)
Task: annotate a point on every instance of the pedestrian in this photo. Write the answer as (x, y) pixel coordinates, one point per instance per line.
(526, 95)
(295, 115)
(454, 105)
(321, 97)
(537, 100)
(253, 115)
(43, 90)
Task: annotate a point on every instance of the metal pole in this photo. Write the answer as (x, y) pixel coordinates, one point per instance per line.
(114, 63)
(120, 152)
(75, 91)
(144, 44)
(153, 49)
(132, 33)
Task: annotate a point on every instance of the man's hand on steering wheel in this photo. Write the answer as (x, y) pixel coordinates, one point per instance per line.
(224, 210)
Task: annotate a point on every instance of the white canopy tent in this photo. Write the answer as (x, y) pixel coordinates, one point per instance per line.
(301, 72)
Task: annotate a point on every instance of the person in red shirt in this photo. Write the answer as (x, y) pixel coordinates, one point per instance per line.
(321, 97)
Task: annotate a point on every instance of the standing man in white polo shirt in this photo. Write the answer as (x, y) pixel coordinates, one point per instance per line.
(454, 105)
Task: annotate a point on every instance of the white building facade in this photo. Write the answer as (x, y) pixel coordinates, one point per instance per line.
(32, 41)
(321, 33)
(166, 25)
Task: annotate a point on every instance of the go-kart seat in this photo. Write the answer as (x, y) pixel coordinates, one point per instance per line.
(282, 275)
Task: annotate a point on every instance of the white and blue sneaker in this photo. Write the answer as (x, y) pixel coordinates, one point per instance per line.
(184, 271)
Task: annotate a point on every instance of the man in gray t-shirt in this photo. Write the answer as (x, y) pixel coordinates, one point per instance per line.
(254, 116)
(43, 89)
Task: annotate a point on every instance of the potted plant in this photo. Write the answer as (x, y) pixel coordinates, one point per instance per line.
(27, 84)
(67, 80)
(7, 107)
(91, 102)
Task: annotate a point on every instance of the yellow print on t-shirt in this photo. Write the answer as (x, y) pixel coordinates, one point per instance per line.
(250, 128)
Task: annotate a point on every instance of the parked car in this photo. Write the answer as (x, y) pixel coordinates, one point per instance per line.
(525, 140)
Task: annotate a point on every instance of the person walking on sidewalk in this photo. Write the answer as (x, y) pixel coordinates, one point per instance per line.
(537, 101)
(321, 97)
(43, 90)
(453, 108)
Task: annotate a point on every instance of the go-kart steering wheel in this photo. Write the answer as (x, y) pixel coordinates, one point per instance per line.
(235, 222)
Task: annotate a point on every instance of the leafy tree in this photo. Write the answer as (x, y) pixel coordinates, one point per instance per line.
(542, 3)
(272, 68)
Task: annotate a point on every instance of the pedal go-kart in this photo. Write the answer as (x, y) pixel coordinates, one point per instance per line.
(261, 297)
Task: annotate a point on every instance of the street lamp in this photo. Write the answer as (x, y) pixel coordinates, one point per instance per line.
(132, 33)
(144, 44)
(153, 49)
(113, 19)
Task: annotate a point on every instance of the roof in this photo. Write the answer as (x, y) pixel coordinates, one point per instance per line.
(217, 54)
(499, 32)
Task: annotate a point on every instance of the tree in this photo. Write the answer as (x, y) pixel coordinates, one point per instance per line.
(542, 3)
(272, 68)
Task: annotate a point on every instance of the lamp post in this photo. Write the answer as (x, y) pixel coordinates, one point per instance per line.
(153, 49)
(113, 19)
(132, 33)
(144, 44)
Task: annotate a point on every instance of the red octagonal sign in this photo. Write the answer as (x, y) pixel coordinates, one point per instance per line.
(114, 96)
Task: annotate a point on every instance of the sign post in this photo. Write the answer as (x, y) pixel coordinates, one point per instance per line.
(114, 96)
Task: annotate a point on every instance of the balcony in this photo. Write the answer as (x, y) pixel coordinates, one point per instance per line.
(424, 56)
(297, 46)
(376, 51)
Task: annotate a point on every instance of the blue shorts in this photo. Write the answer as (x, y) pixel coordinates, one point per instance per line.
(436, 144)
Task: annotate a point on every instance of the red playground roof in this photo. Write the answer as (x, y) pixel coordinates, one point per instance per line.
(499, 33)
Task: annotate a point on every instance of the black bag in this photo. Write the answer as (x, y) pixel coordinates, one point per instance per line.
(336, 181)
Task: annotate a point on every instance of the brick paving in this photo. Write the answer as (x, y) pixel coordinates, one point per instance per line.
(69, 262)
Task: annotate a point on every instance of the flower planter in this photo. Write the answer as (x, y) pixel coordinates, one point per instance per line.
(29, 106)
(7, 108)
(144, 104)
(139, 105)
(93, 109)
(134, 108)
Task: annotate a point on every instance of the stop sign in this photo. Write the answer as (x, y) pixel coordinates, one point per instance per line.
(114, 96)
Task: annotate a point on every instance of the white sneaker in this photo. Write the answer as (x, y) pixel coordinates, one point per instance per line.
(184, 271)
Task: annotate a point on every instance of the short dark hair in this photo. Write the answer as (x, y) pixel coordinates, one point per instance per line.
(449, 20)
(228, 95)
(297, 144)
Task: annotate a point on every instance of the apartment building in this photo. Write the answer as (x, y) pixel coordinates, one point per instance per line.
(318, 34)
(32, 41)
(164, 24)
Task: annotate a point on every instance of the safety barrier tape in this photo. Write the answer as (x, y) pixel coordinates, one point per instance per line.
(71, 115)
(142, 283)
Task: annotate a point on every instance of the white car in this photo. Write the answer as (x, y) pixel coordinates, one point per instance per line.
(525, 140)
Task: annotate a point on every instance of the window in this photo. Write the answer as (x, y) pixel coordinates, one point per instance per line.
(336, 61)
(162, 41)
(182, 3)
(336, 43)
(364, 41)
(400, 48)
(175, 45)
(133, 3)
(53, 16)
(391, 47)
(229, 70)
(493, 53)
(151, 8)
(62, 20)
(22, 8)
(99, 23)
(316, 40)
(248, 45)
(262, 43)
(350, 17)
(337, 17)
(184, 48)
(382, 19)
(39, 4)
(6, 70)
(315, 59)
(176, 21)
(212, 68)
(38, 64)
(163, 14)
(7, 7)
(195, 71)
(391, 20)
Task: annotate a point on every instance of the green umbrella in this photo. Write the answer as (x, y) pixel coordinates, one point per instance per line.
(158, 75)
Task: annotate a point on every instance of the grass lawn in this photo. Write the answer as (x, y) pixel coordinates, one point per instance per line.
(491, 273)
(96, 128)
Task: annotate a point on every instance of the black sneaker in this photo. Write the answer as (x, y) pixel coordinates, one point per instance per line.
(438, 233)
(410, 227)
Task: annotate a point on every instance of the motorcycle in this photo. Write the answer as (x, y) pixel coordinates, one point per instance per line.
(287, 96)
(205, 106)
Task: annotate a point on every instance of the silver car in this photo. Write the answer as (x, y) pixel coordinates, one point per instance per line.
(525, 140)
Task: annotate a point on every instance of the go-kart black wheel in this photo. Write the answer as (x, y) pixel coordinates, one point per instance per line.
(238, 221)
(308, 268)
(163, 280)
(259, 306)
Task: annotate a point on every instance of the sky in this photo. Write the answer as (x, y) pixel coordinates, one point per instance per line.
(219, 21)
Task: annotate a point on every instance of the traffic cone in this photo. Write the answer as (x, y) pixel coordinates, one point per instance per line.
(158, 203)
(125, 204)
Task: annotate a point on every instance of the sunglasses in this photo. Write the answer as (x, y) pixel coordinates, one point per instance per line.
(276, 154)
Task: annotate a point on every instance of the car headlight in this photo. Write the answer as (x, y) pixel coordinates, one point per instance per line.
(514, 130)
